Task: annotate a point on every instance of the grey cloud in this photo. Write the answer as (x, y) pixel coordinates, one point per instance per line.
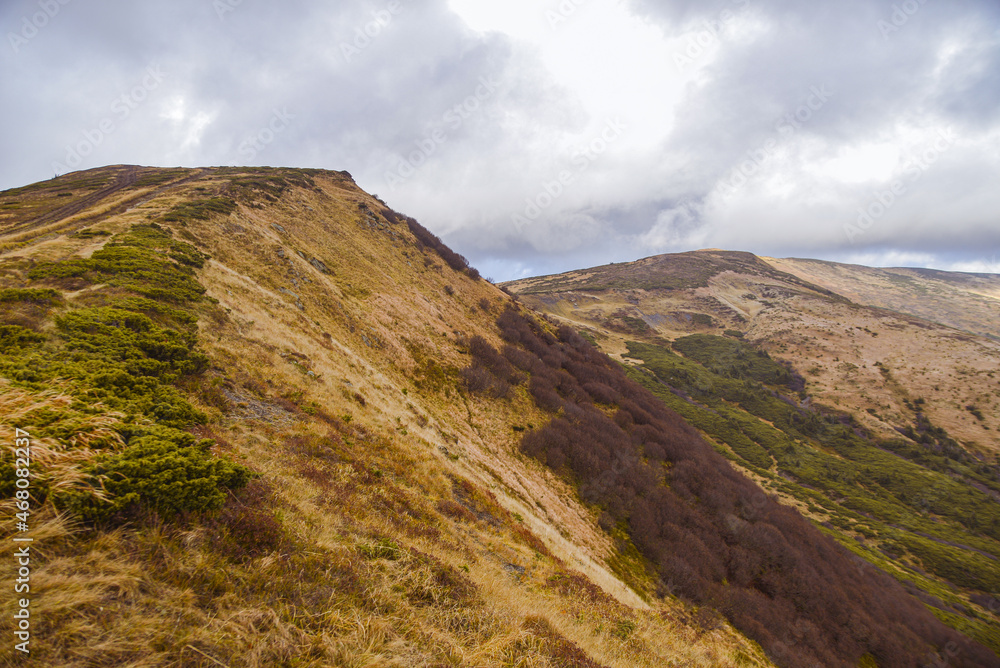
(367, 105)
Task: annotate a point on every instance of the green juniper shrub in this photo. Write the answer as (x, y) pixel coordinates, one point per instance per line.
(134, 261)
(90, 233)
(163, 469)
(45, 296)
(131, 339)
(201, 209)
(15, 337)
(122, 348)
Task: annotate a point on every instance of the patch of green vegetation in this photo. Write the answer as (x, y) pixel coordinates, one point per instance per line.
(732, 359)
(30, 295)
(15, 337)
(937, 451)
(165, 469)
(636, 325)
(201, 209)
(159, 311)
(133, 340)
(963, 567)
(917, 504)
(114, 356)
(703, 319)
(145, 260)
(978, 629)
(115, 351)
(90, 233)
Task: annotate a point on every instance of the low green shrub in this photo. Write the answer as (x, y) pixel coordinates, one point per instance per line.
(164, 469)
(201, 209)
(30, 295)
(15, 337)
(123, 349)
(145, 260)
(933, 489)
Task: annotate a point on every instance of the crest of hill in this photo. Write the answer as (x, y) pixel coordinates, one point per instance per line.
(676, 271)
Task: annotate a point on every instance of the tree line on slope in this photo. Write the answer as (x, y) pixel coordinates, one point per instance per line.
(426, 238)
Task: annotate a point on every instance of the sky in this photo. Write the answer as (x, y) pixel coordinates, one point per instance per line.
(538, 136)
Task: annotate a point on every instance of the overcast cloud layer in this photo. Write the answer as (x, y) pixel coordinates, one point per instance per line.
(538, 136)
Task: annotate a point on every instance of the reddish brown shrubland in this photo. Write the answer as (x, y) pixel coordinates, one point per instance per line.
(713, 536)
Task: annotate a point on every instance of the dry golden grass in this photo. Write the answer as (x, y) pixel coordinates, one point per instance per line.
(59, 461)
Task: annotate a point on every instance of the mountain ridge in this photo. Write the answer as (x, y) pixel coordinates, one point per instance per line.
(371, 437)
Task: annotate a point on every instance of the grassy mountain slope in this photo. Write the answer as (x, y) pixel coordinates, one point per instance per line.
(871, 361)
(835, 420)
(970, 302)
(253, 444)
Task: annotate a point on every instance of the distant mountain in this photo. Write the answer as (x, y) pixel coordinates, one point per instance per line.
(964, 301)
(832, 322)
(860, 396)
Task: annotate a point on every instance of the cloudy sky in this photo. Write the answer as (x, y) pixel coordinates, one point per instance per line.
(542, 135)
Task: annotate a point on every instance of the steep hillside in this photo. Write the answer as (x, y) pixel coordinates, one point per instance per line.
(858, 416)
(252, 444)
